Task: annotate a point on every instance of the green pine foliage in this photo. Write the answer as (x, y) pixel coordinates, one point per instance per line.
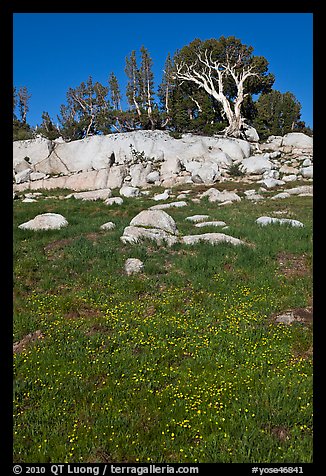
(277, 114)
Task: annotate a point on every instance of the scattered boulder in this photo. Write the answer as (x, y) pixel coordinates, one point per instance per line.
(163, 206)
(170, 166)
(237, 149)
(23, 165)
(282, 221)
(297, 139)
(153, 177)
(114, 201)
(288, 170)
(29, 200)
(92, 195)
(116, 176)
(139, 173)
(128, 192)
(37, 176)
(134, 234)
(133, 266)
(155, 225)
(307, 172)
(285, 318)
(23, 176)
(255, 197)
(212, 238)
(271, 182)
(33, 195)
(256, 164)
(281, 195)
(206, 173)
(273, 143)
(108, 226)
(162, 196)
(45, 221)
(155, 219)
(210, 223)
(215, 195)
(289, 178)
(306, 162)
(301, 190)
(250, 133)
(303, 315)
(197, 218)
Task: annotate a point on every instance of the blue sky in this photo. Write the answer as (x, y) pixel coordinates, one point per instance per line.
(55, 51)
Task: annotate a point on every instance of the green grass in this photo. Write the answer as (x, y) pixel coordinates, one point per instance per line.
(182, 363)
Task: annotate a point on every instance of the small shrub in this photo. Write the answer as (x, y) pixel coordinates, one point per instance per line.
(235, 171)
(175, 134)
(139, 156)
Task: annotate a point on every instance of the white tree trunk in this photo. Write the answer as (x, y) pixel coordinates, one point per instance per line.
(205, 77)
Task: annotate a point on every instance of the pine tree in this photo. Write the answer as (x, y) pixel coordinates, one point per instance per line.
(115, 94)
(277, 114)
(87, 111)
(47, 128)
(133, 86)
(21, 129)
(23, 103)
(140, 93)
(146, 78)
(165, 90)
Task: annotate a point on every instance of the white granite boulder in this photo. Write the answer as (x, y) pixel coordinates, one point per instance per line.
(155, 225)
(153, 177)
(210, 223)
(23, 165)
(155, 219)
(133, 266)
(255, 165)
(163, 206)
(307, 172)
(170, 166)
(206, 173)
(215, 195)
(37, 176)
(197, 218)
(45, 221)
(281, 195)
(23, 176)
(271, 182)
(212, 238)
(92, 195)
(114, 201)
(139, 173)
(265, 220)
(128, 192)
(107, 226)
(301, 190)
(134, 234)
(250, 133)
(297, 139)
(289, 178)
(116, 175)
(162, 196)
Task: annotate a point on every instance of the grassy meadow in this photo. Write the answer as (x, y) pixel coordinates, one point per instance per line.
(183, 362)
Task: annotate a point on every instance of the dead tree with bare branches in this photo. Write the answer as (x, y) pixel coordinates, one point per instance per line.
(228, 72)
(211, 75)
